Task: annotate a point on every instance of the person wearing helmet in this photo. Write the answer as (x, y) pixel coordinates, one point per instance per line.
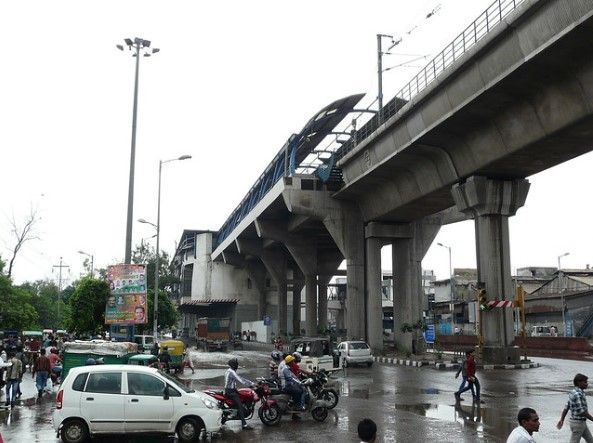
(276, 358)
(295, 366)
(292, 385)
(230, 389)
(90, 361)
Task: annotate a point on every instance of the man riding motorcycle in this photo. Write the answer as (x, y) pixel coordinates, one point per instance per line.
(296, 368)
(292, 385)
(276, 359)
(230, 389)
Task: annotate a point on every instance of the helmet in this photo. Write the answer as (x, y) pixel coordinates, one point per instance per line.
(297, 356)
(276, 356)
(233, 364)
(100, 361)
(289, 359)
(90, 362)
(54, 350)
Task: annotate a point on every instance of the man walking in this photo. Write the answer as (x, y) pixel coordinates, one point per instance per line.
(471, 377)
(579, 413)
(41, 368)
(528, 424)
(13, 376)
(463, 371)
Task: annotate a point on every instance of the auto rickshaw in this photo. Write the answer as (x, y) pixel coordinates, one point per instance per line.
(176, 349)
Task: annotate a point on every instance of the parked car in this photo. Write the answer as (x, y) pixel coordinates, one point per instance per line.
(355, 353)
(130, 399)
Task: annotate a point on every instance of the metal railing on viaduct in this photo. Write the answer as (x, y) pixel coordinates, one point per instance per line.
(291, 157)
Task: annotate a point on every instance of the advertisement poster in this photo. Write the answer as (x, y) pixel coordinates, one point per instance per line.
(127, 299)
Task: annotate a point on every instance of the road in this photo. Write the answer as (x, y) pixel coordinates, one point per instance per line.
(408, 405)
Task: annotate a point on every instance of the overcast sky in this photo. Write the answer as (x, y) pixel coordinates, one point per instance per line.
(232, 81)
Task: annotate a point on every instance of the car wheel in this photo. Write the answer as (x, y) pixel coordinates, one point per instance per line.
(369, 364)
(319, 413)
(74, 431)
(188, 430)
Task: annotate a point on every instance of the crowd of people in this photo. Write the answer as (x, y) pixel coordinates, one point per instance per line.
(41, 357)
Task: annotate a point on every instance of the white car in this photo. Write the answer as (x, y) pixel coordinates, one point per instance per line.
(130, 399)
(355, 353)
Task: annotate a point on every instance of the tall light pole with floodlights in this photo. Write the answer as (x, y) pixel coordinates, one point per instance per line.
(158, 236)
(92, 260)
(138, 46)
(451, 306)
(562, 291)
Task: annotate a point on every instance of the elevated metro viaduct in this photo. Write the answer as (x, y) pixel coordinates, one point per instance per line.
(457, 142)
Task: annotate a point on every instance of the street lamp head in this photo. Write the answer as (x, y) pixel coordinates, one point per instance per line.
(155, 50)
(184, 157)
(128, 41)
(146, 43)
(120, 47)
(141, 220)
(440, 244)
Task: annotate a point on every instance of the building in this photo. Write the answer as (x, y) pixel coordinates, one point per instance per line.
(213, 288)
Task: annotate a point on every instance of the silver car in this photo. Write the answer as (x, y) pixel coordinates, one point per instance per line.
(355, 353)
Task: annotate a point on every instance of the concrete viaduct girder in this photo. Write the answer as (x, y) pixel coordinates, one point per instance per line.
(515, 104)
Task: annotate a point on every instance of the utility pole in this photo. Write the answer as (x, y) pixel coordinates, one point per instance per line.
(60, 266)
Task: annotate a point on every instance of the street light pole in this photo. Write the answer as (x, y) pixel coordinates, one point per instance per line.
(562, 291)
(450, 286)
(158, 237)
(380, 70)
(138, 44)
(92, 260)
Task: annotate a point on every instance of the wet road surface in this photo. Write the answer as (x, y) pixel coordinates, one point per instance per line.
(408, 405)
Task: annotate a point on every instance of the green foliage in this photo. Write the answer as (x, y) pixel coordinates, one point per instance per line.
(167, 312)
(17, 311)
(87, 306)
(44, 298)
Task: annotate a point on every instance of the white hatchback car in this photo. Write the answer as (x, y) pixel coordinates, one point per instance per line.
(129, 399)
(355, 353)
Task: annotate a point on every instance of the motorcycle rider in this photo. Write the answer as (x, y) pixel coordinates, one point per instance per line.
(276, 358)
(230, 389)
(296, 368)
(292, 385)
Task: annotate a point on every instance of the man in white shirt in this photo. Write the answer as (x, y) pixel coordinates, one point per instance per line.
(528, 424)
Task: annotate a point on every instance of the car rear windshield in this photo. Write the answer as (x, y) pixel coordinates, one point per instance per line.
(359, 345)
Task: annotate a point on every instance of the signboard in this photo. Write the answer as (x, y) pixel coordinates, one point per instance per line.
(429, 334)
(126, 303)
(267, 320)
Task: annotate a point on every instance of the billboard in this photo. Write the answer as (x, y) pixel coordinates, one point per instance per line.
(126, 303)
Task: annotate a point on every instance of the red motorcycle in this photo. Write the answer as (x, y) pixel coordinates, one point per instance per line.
(249, 398)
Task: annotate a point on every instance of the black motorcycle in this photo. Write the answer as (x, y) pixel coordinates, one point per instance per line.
(319, 380)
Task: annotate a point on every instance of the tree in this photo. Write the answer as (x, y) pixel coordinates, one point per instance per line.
(22, 234)
(17, 312)
(87, 306)
(167, 313)
(52, 307)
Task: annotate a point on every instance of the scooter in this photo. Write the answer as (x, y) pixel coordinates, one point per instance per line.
(279, 403)
(330, 395)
